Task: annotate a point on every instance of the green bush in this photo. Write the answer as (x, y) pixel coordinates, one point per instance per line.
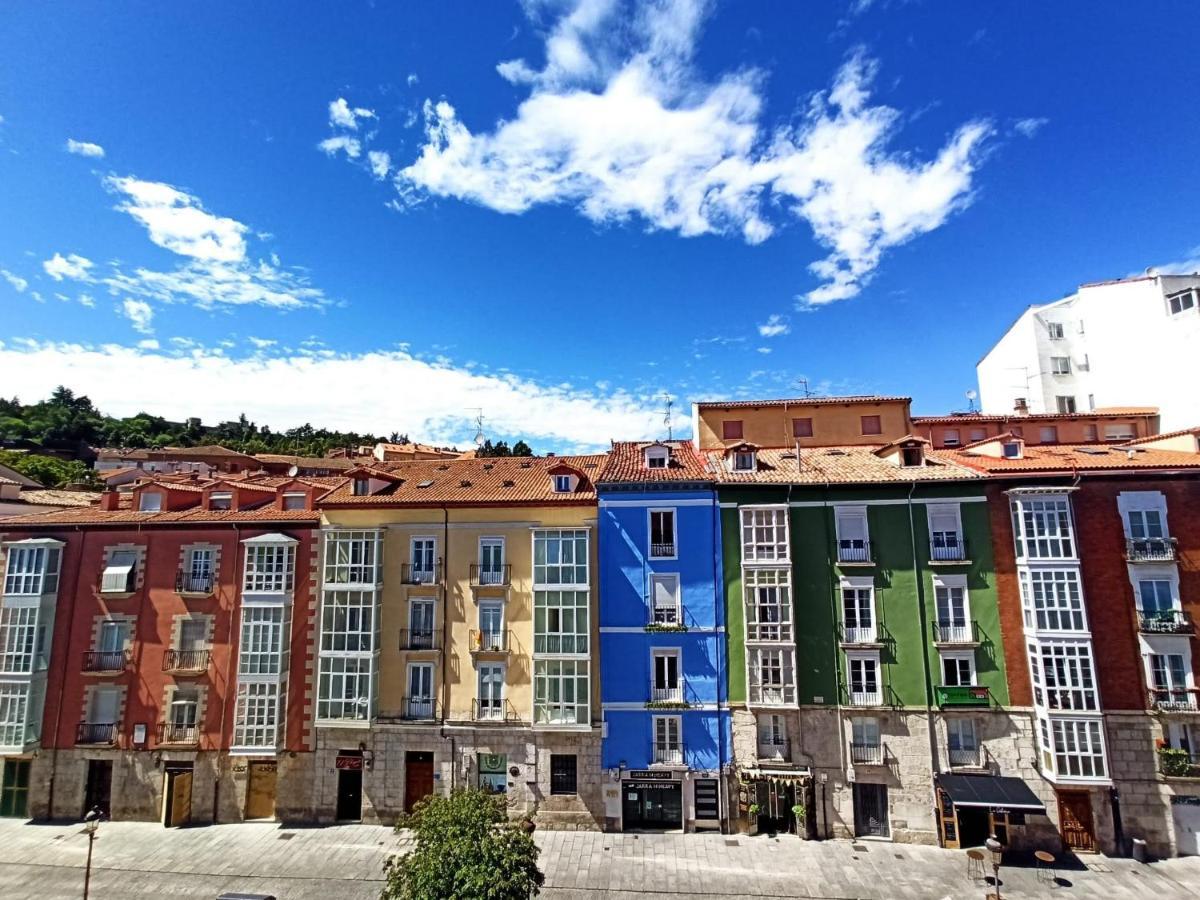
(466, 849)
(1175, 762)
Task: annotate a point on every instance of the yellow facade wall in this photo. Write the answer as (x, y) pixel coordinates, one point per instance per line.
(457, 532)
(833, 423)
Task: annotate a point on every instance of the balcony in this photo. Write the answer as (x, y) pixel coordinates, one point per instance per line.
(948, 548)
(1176, 763)
(866, 754)
(418, 709)
(187, 582)
(186, 660)
(962, 695)
(772, 695)
(1165, 621)
(660, 696)
(855, 553)
(964, 757)
(668, 754)
(860, 636)
(662, 551)
(420, 639)
(490, 642)
(421, 573)
(494, 711)
(491, 576)
(774, 749)
(178, 733)
(105, 660)
(665, 618)
(963, 634)
(866, 698)
(1174, 700)
(96, 733)
(1161, 549)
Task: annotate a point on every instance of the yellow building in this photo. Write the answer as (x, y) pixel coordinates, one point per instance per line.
(456, 639)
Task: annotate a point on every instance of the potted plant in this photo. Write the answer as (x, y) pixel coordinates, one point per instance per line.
(753, 811)
(801, 814)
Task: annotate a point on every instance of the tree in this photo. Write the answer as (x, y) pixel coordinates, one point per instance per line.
(47, 470)
(466, 848)
(520, 448)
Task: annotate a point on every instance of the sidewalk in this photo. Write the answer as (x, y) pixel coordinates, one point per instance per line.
(142, 859)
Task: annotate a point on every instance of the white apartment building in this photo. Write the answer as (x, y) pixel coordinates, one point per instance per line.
(1121, 343)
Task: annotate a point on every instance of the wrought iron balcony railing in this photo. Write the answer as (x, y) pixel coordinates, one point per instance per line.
(186, 660)
(662, 550)
(669, 753)
(491, 576)
(964, 756)
(854, 552)
(105, 660)
(187, 582)
(666, 694)
(947, 548)
(866, 754)
(866, 698)
(96, 733)
(489, 710)
(420, 639)
(860, 634)
(1165, 621)
(1174, 699)
(956, 633)
(1161, 549)
(178, 733)
(773, 748)
(490, 641)
(421, 573)
(418, 709)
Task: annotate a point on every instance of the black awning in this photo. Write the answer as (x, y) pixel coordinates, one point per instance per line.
(991, 791)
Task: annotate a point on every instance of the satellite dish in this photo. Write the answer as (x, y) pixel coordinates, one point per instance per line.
(971, 395)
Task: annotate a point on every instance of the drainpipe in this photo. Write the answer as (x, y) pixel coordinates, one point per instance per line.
(62, 683)
(830, 563)
(445, 689)
(238, 558)
(924, 623)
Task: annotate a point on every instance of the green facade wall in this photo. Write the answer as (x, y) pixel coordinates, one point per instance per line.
(905, 604)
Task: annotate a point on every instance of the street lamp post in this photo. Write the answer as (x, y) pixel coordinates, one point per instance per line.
(996, 849)
(91, 822)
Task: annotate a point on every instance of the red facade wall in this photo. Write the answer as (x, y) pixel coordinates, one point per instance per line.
(1008, 598)
(155, 604)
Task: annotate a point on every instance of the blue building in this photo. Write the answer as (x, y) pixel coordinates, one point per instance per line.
(666, 737)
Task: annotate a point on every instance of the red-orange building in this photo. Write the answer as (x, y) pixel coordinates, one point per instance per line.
(1097, 554)
(173, 628)
(1111, 426)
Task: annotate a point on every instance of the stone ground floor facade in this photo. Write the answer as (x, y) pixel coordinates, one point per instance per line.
(391, 767)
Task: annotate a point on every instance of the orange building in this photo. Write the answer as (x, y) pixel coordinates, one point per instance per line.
(1112, 425)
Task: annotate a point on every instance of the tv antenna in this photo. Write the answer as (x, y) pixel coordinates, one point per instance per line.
(667, 415)
(478, 426)
(971, 395)
(803, 383)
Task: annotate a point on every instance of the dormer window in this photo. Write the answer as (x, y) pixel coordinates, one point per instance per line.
(297, 500)
(150, 501)
(220, 500)
(362, 487)
(562, 484)
(912, 456)
(657, 457)
(743, 461)
(1012, 450)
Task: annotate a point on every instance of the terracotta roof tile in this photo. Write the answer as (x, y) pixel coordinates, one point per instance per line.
(492, 481)
(1151, 438)
(626, 462)
(93, 515)
(307, 462)
(803, 401)
(1110, 412)
(49, 497)
(840, 465)
(1069, 458)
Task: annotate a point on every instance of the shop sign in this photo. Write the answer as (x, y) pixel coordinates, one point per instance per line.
(649, 775)
(651, 784)
(349, 763)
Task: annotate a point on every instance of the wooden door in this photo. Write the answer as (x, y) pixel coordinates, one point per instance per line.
(98, 792)
(418, 778)
(179, 798)
(260, 791)
(1075, 820)
(14, 793)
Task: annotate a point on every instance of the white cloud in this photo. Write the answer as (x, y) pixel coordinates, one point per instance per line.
(345, 143)
(774, 326)
(71, 266)
(626, 128)
(1188, 265)
(148, 344)
(86, 300)
(84, 148)
(381, 163)
(19, 284)
(140, 314)
(1029, 127)
(178, 222)
(210, 285)
(262, 343)
(412, 79)
(289, 388)
(341, 115)
(763, 350)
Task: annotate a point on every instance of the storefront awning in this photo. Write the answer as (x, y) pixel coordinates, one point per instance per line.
(990, 791)
(800, 773)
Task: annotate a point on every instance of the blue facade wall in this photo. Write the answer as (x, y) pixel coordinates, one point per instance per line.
(626, 646)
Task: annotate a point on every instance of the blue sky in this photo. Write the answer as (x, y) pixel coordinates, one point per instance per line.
(379, 216)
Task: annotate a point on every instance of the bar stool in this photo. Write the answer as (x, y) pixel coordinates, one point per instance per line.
(1045, 867)
(975, 868)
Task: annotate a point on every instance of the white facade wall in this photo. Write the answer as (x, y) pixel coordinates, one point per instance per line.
(1125, 347)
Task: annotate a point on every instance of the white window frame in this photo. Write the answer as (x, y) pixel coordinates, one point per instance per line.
(667, 740)
(773, 585)
(423, 704)
(1044, 527)
(120, 572)
(19, 627)
(220, 500)
(270, 568)
(570, 642)
(1187, 300)
(1060, 365)
(668, 613)
(950, 629)
(1070, 685)
(650, 545)
(358, 671)
(1060, 607)
(422, 539)
(415, 603)
(771, 523)
(958, 657)
(666, 693)
(31, 568)
(1087, 759)
(263, 639)
(864, 697)
(562, 484)
(845, 513)
(743, 461)
(290, 498)
(256, 717)
(934, 511)
(353, 557)
(657, 457)
(495, 700)
(14, 713)
(961, 730)
(1129, 502)
(550, 710)
(763, 693)
(1055, 330)
(548, 574)
(865, 731)
(488, 569)
(772, 735)
(150, 501)
(858, 633)
(1180, 690)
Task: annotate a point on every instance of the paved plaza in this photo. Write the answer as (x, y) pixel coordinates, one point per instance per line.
(141, 859)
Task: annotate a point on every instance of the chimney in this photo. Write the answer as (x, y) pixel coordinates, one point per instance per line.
(109, 500)
(1021, 407)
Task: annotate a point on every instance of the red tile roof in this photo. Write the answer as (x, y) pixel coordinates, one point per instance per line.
(1110, 412)
(1069, 458)
(93, 515)
(802, 401)
(627, 462)
(855, 464)
(485, 481)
